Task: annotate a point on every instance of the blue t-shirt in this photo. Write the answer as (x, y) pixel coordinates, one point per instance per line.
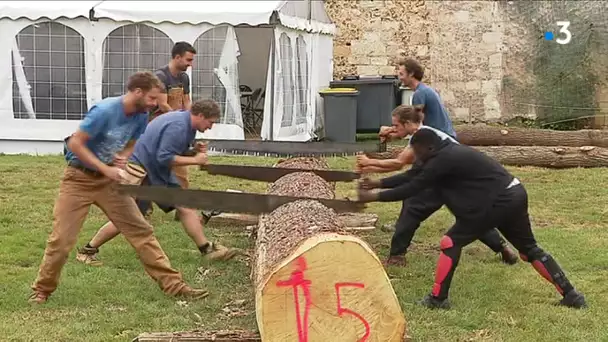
(109, 130)
(167, 136)
(435, 114)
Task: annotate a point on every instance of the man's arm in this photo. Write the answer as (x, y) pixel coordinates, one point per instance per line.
(428, 176)
(169, 150)
(162, 98)
(404, 158)
(91, 126)
(186, 97)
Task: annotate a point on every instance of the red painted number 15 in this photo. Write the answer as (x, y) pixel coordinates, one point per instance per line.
(296, 281)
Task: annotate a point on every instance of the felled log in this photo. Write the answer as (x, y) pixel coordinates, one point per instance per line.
(200, 336)
(554, 157)
(351, 221)
(313, 282)
(560, 157)
(483, 135)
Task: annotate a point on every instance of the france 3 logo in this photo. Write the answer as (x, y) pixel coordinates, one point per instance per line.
(564, 35)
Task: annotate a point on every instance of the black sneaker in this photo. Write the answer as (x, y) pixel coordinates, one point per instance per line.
(574, 299)
(434, 303)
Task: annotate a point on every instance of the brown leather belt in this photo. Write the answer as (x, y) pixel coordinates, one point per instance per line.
(86, 170)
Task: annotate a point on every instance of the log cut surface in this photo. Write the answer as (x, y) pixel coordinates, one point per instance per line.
(313, 282)
(554, 157)
(482, 135)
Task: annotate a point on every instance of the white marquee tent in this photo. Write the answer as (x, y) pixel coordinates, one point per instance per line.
(59, 58)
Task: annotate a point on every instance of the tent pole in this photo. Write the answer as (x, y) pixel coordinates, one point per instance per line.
(272, 80)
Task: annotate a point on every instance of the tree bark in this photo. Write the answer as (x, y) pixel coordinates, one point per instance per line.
(307, 269)
(554, 157)
(483, 135)
(200, 336)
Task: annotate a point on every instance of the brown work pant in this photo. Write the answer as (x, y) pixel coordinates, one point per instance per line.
(181, 173)
(77, 192)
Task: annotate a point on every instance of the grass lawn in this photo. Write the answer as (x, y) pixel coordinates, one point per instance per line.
(491, 301)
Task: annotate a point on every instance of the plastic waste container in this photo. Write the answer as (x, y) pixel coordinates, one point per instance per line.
(405, 96)
(376, 100)
(340, 119)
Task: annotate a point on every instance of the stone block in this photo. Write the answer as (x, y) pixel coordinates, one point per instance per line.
(380, 61)
(368, 70)
(473, 85)
(341, 51)
(490, 87)
(462, 16)
(358, 60)
(422, 50)
(387, 70)
(494, 37)
(495, 60)
(461, 113)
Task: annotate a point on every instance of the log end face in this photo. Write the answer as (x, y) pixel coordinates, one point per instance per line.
(342, 291)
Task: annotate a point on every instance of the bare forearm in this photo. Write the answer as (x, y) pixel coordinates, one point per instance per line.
(387, 164)
(183, 161)
(376, 169)
(86, 156)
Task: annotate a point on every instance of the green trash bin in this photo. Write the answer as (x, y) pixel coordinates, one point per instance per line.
(340, 119)
(377, 96)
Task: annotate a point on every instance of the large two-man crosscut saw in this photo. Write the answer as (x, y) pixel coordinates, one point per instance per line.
(235, 202)
(271, 174)
(292, 149)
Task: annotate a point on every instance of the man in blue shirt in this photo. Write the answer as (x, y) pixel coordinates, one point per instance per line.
(410, 74)
(162, 146)
(96, 155)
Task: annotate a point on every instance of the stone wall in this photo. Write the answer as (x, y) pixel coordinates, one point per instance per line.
(468, 48)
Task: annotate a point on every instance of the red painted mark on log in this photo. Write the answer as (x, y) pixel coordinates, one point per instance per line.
(297, 280)
(342, 310)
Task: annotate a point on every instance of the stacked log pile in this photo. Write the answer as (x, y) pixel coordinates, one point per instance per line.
(532, 147)
(307, 269)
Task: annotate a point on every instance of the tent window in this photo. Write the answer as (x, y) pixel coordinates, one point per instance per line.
(287, 88)
(129, 49)
(302, 77)
(206, 84)
(48, 73)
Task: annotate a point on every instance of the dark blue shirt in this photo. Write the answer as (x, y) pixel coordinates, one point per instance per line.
(167, 136)
(435, 114)
(109, 130)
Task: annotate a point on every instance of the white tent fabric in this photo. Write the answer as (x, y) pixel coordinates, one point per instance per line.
(178, 21)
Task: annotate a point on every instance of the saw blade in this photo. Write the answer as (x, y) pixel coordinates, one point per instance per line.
(271, 174)
(291, 149)
(232, 202)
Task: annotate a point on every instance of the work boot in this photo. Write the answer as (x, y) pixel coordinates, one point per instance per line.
(395, 260)
(434, 303)
(38, 297)
(508, 256)
(189, 293)
(218, 252)
(88, 256)
(573, 299)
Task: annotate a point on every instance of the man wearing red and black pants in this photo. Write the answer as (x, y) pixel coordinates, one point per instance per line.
(417, 209)
(482, 195)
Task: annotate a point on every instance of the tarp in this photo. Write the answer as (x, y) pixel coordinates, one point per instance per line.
(293, 14)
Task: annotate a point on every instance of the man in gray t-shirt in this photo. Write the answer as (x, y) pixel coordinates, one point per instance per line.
(176, 92)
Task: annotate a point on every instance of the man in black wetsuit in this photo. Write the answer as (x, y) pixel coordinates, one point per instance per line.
(482, 195)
